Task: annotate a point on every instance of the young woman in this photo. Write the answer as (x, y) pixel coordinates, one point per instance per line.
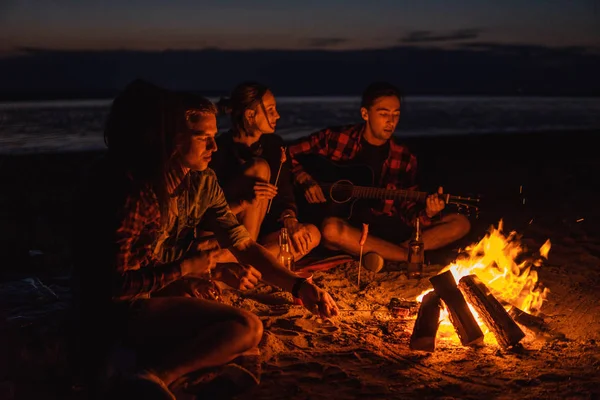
(140, 210)
(253, 171)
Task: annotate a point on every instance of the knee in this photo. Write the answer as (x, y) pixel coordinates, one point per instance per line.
(460, 224)
(252, 328)
(258, 168)
(332, 230)
(315, 235)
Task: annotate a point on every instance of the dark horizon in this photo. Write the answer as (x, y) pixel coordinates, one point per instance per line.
(470, 69)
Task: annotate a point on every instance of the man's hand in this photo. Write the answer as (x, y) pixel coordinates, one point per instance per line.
(198, 263)
(314, 194)
(239, 276)
(300, 236)
(190, 287)
(434, 203)
(203, 289)
(316, 300)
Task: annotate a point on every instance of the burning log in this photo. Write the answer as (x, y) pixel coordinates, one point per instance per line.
(427, 323)
(464, 322)
(504, 328)
(532, 322)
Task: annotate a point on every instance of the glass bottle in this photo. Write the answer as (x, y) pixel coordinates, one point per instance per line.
(416, 253)
(285, 256)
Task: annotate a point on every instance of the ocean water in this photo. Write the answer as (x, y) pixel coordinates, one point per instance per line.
(56, 126)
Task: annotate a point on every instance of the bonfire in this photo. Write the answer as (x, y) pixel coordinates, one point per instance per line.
(478, 297)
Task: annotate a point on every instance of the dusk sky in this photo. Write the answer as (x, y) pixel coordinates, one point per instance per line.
(307, 24)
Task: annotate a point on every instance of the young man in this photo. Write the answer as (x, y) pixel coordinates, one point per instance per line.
(371, 143)
(141, 208)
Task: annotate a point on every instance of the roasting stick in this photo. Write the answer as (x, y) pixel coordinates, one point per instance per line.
(363, 239)
(282, 159)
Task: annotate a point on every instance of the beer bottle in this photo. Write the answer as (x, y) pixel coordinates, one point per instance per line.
(285, 256)
(416, 253)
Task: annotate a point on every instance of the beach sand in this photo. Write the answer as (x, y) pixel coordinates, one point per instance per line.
(543, 186)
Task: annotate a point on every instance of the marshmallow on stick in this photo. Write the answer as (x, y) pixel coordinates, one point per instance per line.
(361, 242)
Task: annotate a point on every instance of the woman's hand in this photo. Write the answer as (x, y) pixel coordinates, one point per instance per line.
(300, 236)
(317, 301)
(263, 191)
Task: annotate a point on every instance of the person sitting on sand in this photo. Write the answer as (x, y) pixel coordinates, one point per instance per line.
(249, 167)
(142, 204)
(371, 143)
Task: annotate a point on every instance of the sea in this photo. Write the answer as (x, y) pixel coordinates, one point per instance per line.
(77, 125)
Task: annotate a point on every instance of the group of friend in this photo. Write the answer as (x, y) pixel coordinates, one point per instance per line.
(174, 206)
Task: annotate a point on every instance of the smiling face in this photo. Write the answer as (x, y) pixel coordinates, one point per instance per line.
(261, 121)
(381, 119)
(198, 144)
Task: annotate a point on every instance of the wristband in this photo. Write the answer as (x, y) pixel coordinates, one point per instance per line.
(297, 285)
(285, 216)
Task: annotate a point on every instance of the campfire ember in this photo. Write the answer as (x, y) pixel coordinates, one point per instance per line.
(492, 288)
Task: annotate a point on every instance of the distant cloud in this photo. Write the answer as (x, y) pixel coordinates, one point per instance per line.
(509, 48)
(431, 36)
(325, 41)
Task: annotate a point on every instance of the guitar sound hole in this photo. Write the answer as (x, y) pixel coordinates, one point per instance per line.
(341, 191)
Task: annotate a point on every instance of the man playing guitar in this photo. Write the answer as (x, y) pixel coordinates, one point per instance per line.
(370, 143)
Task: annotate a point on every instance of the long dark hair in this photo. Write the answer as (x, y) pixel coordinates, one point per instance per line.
(247, 95)
(143, 129)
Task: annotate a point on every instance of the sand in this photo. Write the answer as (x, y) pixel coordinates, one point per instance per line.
(541, 185)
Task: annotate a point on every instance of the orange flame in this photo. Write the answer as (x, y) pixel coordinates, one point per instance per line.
(499, 262)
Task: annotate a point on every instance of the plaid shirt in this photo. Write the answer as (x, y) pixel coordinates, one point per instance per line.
(343, 143)
(148, 256)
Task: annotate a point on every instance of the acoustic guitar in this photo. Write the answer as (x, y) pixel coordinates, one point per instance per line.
(348, 186)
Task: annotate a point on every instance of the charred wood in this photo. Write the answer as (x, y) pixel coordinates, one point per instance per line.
(462, 318)
(489, 309)
(427, 323)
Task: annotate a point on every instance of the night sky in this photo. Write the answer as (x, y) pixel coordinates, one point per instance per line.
(44, 40)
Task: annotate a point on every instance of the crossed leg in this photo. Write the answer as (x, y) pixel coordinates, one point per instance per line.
(253, 216)
(339, 234)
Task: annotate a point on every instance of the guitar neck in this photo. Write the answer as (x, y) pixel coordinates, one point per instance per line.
(366, 192)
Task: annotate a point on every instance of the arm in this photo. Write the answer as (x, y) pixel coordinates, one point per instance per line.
(409, 210)
(233, 235)
(316, 143)
(312, 297)
(250, 252)
(238, 206)
(133, 275)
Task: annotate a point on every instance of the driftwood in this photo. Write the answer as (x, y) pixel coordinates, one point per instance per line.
(427, 323)
(495, 317)
(462, 318)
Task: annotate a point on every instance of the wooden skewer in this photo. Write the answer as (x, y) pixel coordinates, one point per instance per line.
(281, 161)
(363, 239)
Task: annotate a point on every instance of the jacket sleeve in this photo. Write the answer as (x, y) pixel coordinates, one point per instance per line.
(132, 279)
(315, 143)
